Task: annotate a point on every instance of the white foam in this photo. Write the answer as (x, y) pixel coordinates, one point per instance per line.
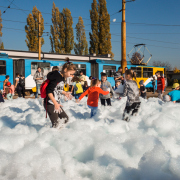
(103, 147)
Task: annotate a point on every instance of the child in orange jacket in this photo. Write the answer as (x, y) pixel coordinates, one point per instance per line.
(93, 95)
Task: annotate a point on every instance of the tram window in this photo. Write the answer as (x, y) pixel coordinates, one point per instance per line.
(44, 66)
(80, 67)
(137, 70)
(147, 72)
(109, 70)
(2, 67)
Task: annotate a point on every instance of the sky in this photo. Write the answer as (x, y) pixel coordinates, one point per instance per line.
(151, 22)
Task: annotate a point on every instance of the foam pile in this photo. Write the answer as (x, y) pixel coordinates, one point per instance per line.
(101, 148)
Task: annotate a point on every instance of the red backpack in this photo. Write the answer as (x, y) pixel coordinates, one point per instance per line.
(43, 88)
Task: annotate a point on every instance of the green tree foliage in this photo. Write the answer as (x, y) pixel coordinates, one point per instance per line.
(57, 37)
(68, 29)
(80, 48)
(31, 30)
(100, 38)
(104, 29)
(94, 36)
(62, 37)
(1, 43)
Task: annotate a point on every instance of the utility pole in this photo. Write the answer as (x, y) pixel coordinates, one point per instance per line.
(39, 36)
(123, 37)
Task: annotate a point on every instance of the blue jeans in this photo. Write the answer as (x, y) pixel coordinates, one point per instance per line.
(77, 95)
(37, 90)
(93, 110)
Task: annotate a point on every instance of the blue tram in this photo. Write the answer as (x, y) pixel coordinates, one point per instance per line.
(26, 63)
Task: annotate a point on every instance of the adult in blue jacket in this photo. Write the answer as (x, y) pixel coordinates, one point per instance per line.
(172, 96)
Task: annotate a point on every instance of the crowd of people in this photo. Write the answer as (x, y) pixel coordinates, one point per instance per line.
(65, 83)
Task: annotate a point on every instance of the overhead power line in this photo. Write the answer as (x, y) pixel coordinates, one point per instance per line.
(114, 23)
(154, 46)
(175, 25)
(7, 8)
(153, 40)
(18, 7)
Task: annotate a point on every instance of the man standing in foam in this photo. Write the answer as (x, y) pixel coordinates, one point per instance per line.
(160, 85)
(172, 96)
(38, 77)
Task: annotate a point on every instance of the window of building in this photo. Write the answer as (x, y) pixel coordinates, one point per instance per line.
(80, 67)
(147, 72)
(2, 67)
(137, 70)
(109, 70)
(45, 67)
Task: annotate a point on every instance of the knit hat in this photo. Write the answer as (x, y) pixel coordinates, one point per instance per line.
(175, 85)
(8, 83)
(166, 98)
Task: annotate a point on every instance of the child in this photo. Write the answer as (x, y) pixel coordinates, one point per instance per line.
(1, 97)
(85, 87)
(77, 87)
(175, 86)
(10, 91)
(93, 95)
(132, 92)
(5, 81)
(160, 85)
(105, 86)
(117, 84)
(154, 84)
(142, 89)
(54, 90)
(116, 90)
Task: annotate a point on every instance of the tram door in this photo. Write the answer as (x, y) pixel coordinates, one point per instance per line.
(18, 67)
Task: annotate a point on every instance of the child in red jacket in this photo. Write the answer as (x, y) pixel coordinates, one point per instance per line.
(93, 95)
(160, 85)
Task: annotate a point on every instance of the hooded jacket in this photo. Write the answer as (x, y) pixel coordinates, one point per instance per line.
(93, 95)
(131, 91)
(55, 86)
(104, 86)
(160, 83)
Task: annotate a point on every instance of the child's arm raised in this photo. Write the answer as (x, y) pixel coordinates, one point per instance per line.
(84, 94)
(103, 92)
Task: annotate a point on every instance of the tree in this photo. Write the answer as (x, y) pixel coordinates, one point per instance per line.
(136, 58)
(167, 65)
(94, 36)
(57, 37)
(68, 29)
(32, 29)
(176, 70)
(80, 48)
(1, 43)
(104, 29)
